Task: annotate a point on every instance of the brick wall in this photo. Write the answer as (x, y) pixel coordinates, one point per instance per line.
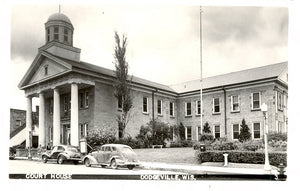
(16, 114)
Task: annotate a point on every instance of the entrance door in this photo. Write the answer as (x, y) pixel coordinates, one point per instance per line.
(66, 134)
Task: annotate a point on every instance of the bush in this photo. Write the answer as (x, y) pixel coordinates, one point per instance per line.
(277, 136)
(222, 146)
(101, 136)
(144, 138)
(182, 143)
(275, 158)
(206, 137)
(254, 145)
(278, 145)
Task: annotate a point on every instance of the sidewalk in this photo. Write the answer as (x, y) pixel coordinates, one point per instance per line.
(204, 168)
(212, 168)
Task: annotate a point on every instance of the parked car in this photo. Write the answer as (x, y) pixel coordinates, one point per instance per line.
(113, 155)
(62, 153)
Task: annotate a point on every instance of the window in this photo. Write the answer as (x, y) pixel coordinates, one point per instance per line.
(81, 100)
(235, 131)
(46, 70)
(48, 35)
(51, 106)
(145, 105)
(66, 103)
(86, 99)
(55, 32)
(188, 133)
(65, 35)
(18, 122)
(216, 105)
(255, 100)
(280, 127)
(235, 103)
(84, 130)
(198, 107)
(159, 104)
(51, 134)
(188, 108)
(172, 109)
(279, 101)
(217, 131)
(256, 130)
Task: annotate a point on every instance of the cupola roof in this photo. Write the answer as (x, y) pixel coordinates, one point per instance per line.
(59, 17)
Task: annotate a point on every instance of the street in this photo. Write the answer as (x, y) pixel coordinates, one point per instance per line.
(51, 167)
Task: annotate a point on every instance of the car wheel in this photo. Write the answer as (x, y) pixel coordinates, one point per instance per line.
(87, 162)
(130, 167)
(45, 159)
(60, 160)
(113, 164)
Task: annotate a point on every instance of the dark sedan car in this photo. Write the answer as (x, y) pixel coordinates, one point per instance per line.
(62, 153)
(113, 155)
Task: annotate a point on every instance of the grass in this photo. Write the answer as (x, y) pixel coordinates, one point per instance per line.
(184, 155)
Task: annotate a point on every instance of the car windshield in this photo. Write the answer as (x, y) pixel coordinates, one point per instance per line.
(74, 149)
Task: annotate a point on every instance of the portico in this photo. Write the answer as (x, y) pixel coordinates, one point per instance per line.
(65, 120)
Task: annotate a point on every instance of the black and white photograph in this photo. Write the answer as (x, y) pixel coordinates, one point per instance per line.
(148, 92)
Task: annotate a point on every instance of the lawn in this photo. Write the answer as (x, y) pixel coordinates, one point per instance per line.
(184, 155)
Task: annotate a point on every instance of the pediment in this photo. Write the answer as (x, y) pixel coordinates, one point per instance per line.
(44, 67)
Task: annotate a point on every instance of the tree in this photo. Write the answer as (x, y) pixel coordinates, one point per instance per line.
(245, 134)
(122, 84)
(206, 128)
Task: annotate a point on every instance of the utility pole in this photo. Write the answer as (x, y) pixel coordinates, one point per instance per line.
(201, 87)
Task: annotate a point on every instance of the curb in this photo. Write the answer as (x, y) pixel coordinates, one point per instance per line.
(205, 169)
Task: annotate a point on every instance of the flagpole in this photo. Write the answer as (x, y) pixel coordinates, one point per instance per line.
(201, 87)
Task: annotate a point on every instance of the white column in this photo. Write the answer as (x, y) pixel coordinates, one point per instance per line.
(56, 117)
(74, 115)
(28, 121)
(42, 129)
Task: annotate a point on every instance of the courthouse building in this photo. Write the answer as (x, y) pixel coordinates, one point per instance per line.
(76, 97)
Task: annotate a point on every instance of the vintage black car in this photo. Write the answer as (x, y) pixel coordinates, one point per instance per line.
(62, 153)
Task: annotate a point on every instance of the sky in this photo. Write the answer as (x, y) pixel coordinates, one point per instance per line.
(163, 40)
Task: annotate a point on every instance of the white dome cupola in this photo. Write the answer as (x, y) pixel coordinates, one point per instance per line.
(60, 29)
(59, 37)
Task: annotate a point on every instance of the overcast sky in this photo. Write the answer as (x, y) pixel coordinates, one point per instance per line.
(163, 41)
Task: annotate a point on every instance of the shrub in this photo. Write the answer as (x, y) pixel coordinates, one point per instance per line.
(182, 143)
(221, 146)
(101, 136)
(275, 158)
(277, 136)
(253, 145)
(144, 138)
(206, 137)
(278, 145)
